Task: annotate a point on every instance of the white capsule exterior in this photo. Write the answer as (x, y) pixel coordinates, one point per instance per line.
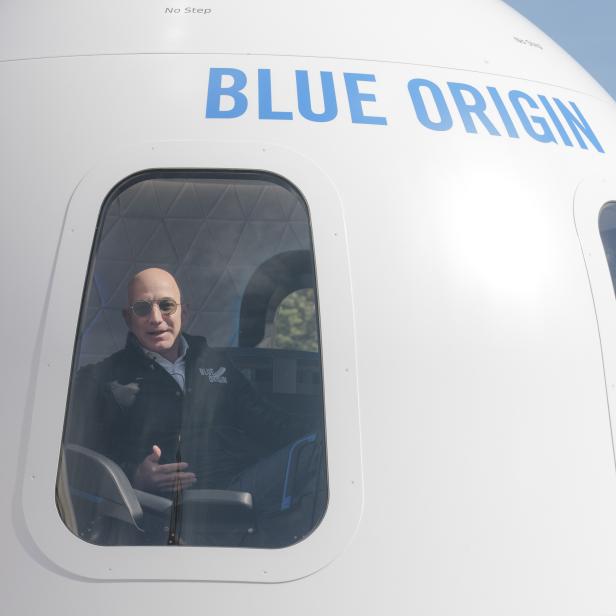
(454, 179)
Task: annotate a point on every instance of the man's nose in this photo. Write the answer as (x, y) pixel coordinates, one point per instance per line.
(156, 316)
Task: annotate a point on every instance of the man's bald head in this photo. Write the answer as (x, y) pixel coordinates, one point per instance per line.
(155, 331)
(152, 277)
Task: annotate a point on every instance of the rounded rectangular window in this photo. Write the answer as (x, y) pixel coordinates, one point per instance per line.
(195, 412)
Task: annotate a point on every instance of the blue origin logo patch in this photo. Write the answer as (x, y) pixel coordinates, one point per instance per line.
(215, 376)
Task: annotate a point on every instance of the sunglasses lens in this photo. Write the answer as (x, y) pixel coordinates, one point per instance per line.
(142, 308)
(167, 306)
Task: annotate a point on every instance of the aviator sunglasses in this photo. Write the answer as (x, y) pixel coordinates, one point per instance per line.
(143, 307)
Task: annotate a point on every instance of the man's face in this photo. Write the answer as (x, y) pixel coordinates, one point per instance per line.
(155, 331)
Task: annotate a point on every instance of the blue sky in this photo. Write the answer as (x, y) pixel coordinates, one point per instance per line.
(586, 29)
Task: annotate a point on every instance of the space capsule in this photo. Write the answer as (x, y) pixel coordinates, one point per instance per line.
(340, 274)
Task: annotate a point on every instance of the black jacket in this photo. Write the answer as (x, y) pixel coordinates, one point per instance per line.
(127, 403)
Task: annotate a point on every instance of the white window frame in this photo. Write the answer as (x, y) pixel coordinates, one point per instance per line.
(343, 513)
(591, 197)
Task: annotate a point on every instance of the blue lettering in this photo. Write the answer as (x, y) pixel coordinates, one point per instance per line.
(356, 98)
(576, 122)
(265, 98)
(444, 122)
(469, 109)
(330, 107)
(546, 136)
(215, 92)
(559, 127)
(503, 113)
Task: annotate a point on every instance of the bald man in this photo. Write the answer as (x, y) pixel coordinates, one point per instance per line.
(171, 411)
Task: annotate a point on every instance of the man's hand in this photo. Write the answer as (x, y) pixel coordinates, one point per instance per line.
(154, 477)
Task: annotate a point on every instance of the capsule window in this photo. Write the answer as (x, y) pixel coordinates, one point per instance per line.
(195, 410)
(607, 228)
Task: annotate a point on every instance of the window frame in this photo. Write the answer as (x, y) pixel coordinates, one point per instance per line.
(186, 175)
(59, 336)
(591, 197)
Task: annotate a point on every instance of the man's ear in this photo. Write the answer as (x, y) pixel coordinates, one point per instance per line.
(126, 313)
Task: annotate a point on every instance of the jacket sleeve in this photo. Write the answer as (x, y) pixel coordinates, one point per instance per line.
(88, 422)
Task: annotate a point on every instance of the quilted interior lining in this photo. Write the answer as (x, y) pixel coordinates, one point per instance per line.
(211, 234)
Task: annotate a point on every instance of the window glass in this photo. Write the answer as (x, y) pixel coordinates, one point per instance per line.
(195, 410)
(607, 228)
